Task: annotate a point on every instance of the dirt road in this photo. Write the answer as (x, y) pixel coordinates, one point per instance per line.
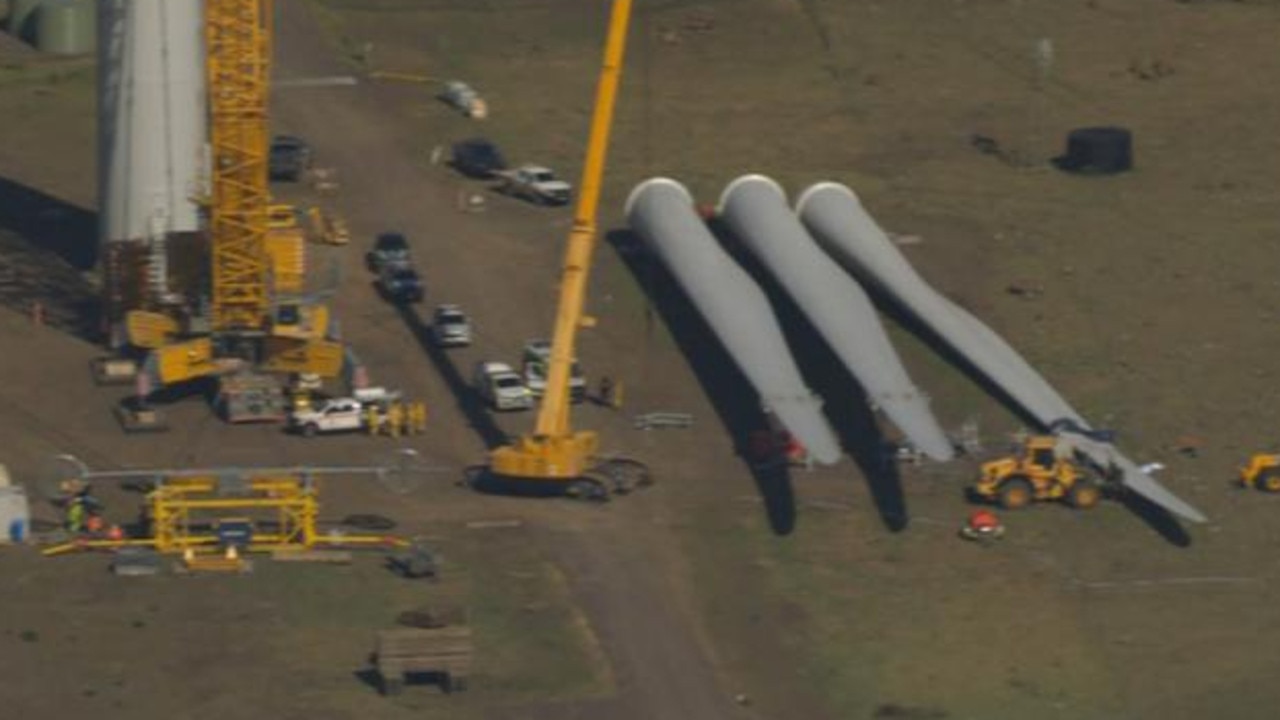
(486, 263)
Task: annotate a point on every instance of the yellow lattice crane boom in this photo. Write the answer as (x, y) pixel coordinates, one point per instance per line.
(237, 37)
(554, 451)
(247, 327)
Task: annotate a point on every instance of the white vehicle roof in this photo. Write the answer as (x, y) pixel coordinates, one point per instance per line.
(374, 394)
(494, 368)
(536, 169)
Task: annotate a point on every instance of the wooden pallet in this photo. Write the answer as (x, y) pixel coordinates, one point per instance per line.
(445, 652)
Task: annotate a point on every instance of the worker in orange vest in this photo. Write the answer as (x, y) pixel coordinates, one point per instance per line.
(983, 526)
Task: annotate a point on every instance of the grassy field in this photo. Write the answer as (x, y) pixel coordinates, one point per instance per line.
(889, 99)
(1152, 308)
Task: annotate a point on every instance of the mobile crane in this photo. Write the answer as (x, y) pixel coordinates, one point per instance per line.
(246, 327)
(554, 454)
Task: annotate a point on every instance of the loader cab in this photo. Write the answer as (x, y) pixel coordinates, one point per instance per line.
(1042, 458)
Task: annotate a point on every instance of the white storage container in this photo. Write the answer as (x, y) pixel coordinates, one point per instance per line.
(15, 514)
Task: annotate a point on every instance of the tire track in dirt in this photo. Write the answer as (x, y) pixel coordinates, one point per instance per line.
(649, 638)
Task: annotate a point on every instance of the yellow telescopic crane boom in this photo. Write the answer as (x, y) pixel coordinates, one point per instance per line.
(555, 452)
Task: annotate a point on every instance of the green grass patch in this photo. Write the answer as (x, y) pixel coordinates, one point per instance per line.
(532, 642)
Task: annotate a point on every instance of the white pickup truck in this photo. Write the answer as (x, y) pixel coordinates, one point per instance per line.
(535, 183)
(329, 416)
(535, 359)
(500, 387)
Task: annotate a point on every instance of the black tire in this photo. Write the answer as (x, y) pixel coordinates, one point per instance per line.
(588, 489)
(1268, 480)
(625, 474)
(1015, 493)
(1084, 494)
(310, 430)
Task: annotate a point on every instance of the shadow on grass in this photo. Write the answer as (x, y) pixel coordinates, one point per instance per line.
(373, 679)
(45, 245)
(1156, 518)
(844, 401)
(467, 400)
(736, 403)
(369, 677)
(49, 224)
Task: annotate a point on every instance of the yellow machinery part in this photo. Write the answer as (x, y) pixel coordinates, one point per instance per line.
(281, 217)
(237, 37)
(287, 252)
(321, 357)
(563, 457)
(149, 330)
(554, 451)
(183, 511)
(186, 361)
(1262, 472)
(327, 228)
(313, 324)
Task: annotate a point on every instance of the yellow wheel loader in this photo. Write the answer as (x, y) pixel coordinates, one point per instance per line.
(1262, 473)
(1038, 472)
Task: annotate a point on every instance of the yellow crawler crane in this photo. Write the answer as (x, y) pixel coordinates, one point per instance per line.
(247, 327)
(555, 455)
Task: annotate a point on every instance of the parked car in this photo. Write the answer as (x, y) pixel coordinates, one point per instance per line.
(450, 327)
(400, 283)
(536, 184)
(500, 387)
(390, 248)
(288, 158)
(464, 98)
(537, 354)
(329, 416)
(478, 158)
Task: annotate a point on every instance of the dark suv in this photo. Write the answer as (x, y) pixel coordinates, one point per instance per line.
(478, 158)
(390, 248)
(289, 158)
(400, 283)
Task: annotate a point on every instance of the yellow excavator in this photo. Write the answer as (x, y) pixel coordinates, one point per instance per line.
(555, 455)
(247, 328)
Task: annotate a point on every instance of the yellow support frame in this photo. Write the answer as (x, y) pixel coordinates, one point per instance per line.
(290, 504)
(237, 40)
(179, 506)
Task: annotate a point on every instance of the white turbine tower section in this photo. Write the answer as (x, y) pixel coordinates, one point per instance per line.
(661, 213)
(755, 208)
(835, 217)
(152, 120)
